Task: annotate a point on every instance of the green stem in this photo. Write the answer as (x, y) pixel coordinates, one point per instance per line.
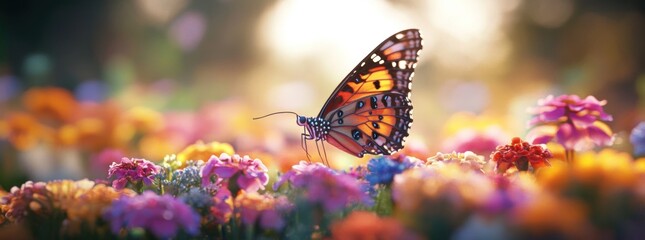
(569, 155)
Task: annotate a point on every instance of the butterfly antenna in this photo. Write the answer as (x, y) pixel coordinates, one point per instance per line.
(256, 118)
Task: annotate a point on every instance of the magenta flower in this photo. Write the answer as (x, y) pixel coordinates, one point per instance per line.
(163, 215)
(249, 174)
(321, 185)
(573, 122)
(133, 170)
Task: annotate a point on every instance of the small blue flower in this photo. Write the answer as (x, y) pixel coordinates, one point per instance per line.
(182, 180)
(382, 169)
(638, 139)
(198, 199)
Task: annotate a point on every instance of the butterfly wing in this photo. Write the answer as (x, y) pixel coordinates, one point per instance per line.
(370, 111)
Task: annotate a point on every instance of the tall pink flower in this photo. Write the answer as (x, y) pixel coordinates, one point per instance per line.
(249, 174)
(573, 122)
(133, 170)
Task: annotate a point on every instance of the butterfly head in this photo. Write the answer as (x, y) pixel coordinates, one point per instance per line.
(301, 120)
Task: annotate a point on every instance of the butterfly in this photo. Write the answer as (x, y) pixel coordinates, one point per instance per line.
(370, 111)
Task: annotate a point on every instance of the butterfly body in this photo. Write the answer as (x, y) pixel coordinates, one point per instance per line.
(370, 112)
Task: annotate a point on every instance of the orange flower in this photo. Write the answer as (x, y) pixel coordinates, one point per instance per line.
(50, 103)
(23, 131)
(367, 225)
(3, 207)
(201, 151)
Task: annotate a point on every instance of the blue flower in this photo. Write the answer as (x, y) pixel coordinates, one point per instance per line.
(638, 139)
(382, 169)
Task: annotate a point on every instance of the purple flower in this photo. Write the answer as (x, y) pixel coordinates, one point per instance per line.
(324, 186)
(249, 174)
(383, 168)
(573, 122)
(132, 170)
(637, 138)
(163, 215)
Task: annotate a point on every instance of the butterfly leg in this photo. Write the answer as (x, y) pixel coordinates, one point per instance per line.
(320, 155)
(303, 143)
(325, 152)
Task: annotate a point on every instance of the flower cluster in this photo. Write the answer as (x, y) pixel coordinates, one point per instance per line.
(571, 121)
(323, 186)
(521, 155)
(164, 216)
(449, 195)
(24, 200)
(466, 159)
(262, 209)
(185, 179)
(132, 170)
(235, 172)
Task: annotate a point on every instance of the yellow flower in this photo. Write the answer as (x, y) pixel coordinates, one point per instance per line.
(144, 120)
(156, 146)
(607, 169)
(89, 206)
(201, 151)
(63, 192)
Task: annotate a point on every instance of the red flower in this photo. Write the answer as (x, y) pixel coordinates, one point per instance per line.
(520, 154)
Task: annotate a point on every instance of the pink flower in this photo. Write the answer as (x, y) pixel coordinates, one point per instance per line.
(132, 170)
(324, 186)
(573, 122)
(249, 174)
(303, 167)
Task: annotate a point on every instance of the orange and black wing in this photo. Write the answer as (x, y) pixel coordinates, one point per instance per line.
(370, 111)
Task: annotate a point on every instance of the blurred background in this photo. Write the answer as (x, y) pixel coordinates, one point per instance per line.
(84, 81)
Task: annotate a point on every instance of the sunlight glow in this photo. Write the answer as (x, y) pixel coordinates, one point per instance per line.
(294, 29)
